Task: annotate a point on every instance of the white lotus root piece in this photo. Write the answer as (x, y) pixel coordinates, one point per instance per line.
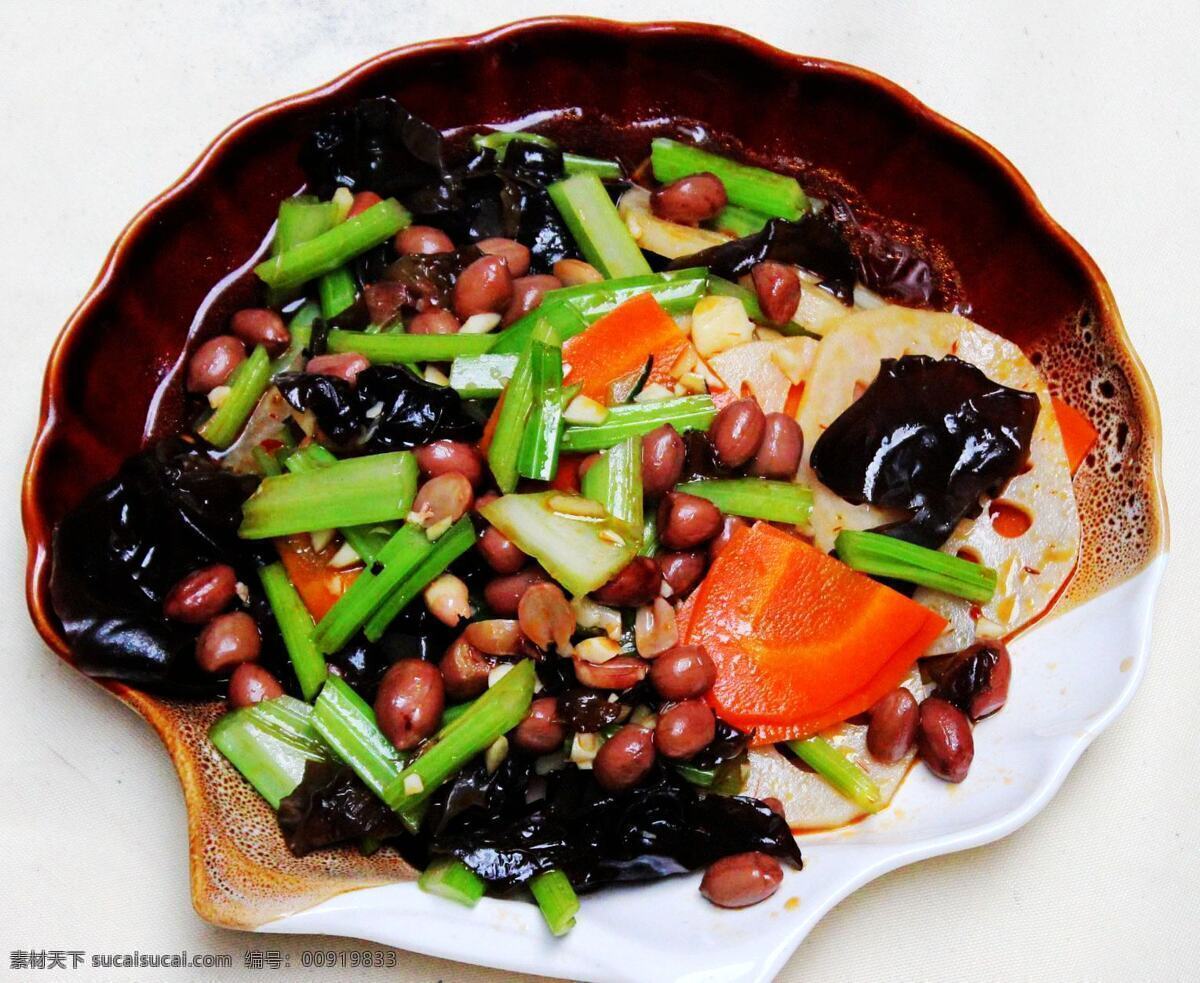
(810, 802)
(755, 368)
(1032, 567)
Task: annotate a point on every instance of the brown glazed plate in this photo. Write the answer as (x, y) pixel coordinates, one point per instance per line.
(181, 267)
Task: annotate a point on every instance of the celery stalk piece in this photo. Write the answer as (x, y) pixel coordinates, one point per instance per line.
(498, 140)
(565, 319)
(538, 456)
(573, 308)
(577, 541)
(704, 777)
(301, 329)
(605, 170)
(391, 349)
(847, 778)
(266, 463)
(374, 488)
(638, 419)
(615, 481)
(337, 290)
(347, 724)
(649, 535)
(495, 713)
(454, 542)
(608, 170)
(366, 540)
(481, 376)
(295, 625)
(270, 743)
(883, 556)
(557, 900)
(676, 292)
(763, 191)
(329, 250)
(739, 221)
(452, 713)
(246, 386)
(450, 878)
(403, 552)
(301, 218)
(599, 231)
(755, 498)
(515, 408)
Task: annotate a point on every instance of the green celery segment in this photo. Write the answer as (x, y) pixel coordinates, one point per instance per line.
(755, 498)
(246, 386)
(494, 714)
(598, 230)
(615, 481)
(739, 221)
(354, 492)
(337, 291)
(847, 778)
(638, 419)
(301, 329)
(606, 170)
(392, 349)
(760, 190)
(649, 535)
(450, 878)
(481, 376)
(270, 743)
(577, 542)
(331, 249)
(517, 406)
(884, 556)
(398, 558)
(366, 540)
(557, 900)
(538, 456)
(347, 724)
(452, 544)
(295, 625)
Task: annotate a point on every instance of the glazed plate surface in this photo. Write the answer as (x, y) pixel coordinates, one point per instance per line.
(841, 130)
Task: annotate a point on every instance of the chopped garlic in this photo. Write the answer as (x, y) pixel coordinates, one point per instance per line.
(718, 324)
(374, 410)
(243, 592)
(346, 556)
(584, 748)
(435, 375)
(692, 383)
(598, 649)
(479, 324)
(218, 395)
(576, 507)
(498, 673)
(413, 785)
(589, 614)
(583, 411)
(320, 538)
(653, 393)
(343, 201)
(435, 532)
(495, 755)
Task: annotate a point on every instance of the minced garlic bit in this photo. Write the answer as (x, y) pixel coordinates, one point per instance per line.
(584, 411)
(242, 591)
(479, 324)
(495, 755)
(576, 507)
(435, 376)
(598, 650)
(320, 538)
(498, 673)
(435, 532)
(346, 556)
(374, 410)
(653, 393)
(584, 748)
(413, 785)
(217, 395)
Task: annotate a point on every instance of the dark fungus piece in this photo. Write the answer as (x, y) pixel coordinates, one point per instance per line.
(976, 679)
(930, 436)
(331, 806)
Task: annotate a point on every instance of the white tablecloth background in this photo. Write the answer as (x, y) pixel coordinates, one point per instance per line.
(103, 104)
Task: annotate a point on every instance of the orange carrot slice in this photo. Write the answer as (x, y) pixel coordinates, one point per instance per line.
(801, 641)
(317, 583)
(618, 344)
(1078, 434)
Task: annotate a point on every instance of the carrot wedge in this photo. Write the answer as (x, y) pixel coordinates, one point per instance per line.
(801, 641)
(618, 345)
(1078, 434)
(317, 583)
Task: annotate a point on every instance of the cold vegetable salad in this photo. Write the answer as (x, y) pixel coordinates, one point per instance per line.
(557, 527)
